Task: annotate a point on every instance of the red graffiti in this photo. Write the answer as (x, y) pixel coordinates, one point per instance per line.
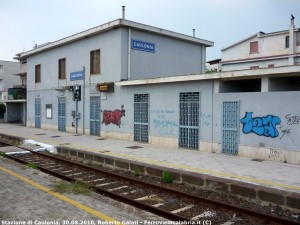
(113, 117)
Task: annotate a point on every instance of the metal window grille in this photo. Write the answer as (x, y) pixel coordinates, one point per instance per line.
(61, 113)
(95, 115)
(37, 109)
(189, 120)
(230, 127)
(141, 117)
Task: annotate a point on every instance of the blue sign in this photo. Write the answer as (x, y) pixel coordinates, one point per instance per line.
(143, 46)
(79, 75)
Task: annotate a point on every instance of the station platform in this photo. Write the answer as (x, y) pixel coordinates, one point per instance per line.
(248, 173)
(27, 199)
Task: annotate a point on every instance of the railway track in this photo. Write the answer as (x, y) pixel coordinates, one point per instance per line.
(165, 202)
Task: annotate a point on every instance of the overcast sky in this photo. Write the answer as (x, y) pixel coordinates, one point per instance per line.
(25, 22)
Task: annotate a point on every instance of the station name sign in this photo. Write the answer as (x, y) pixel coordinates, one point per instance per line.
(79, 75)
(142, 46)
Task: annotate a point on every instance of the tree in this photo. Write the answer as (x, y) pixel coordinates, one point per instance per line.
(2, 110)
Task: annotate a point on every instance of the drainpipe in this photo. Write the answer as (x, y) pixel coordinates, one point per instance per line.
(129, 54)
(292, 42)
(83, 99)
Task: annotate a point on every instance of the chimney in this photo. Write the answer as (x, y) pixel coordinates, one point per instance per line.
(292, 21)
(194, 32)
(123, 12)
(292, 41)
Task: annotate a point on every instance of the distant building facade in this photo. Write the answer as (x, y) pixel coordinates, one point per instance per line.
(264, 50)
(7, 79)
(13, 92)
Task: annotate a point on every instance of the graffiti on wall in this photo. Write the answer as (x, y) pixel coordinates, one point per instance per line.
(262, 126)
(275, 154)
(163, 121)
(205, 119)
(286, 130)
(113, 117)
(292, 120)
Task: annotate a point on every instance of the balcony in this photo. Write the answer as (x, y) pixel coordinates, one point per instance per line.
(15, 94)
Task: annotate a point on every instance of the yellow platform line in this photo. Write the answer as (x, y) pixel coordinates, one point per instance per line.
(62, 197)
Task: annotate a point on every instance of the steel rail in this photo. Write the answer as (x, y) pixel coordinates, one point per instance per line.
(163, 213)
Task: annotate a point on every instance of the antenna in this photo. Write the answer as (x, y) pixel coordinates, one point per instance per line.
(123, 12)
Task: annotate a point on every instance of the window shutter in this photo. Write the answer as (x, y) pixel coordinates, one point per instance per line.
(254, 47)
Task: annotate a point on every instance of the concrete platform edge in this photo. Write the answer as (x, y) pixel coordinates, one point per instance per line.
(282, 198)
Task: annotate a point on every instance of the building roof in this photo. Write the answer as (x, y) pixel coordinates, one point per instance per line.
(214, 61)
(228, 75)
(259, 34)
(109, 26)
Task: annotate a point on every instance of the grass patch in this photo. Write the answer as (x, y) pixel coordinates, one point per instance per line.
(136, 172)
(32, 165)
(167, 177)
(2, 154)
(77, 187)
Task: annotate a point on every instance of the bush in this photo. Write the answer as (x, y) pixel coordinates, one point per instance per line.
(167, 177)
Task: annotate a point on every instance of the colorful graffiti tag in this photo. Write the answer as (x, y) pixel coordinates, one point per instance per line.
(262, 126)
(113, 117)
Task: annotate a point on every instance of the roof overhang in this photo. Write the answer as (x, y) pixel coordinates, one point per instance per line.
(241, 74)
(109, 26)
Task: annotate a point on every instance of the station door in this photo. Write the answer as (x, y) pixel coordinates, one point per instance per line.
(189, 106)
(37, 113)
(141, 117)
(230, 127)
(95, 115)
(61, 113)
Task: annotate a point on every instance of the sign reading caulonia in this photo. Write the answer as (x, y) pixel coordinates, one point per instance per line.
(76, 75)
(142, 46)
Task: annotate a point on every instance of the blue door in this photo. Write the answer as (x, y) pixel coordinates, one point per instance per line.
(61, 113)
(230, 127)
(37, 109)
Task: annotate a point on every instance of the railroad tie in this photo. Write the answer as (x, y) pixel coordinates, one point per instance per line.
(117, 188)
(145, 197)
(129, 192)
(182, 209)
(58, 168)
(105, 184)
(228, 223)
(206, 214)
(76, 174)
(99, 179)
(158, 204)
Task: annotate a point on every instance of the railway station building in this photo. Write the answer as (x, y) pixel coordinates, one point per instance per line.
(146, 84)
